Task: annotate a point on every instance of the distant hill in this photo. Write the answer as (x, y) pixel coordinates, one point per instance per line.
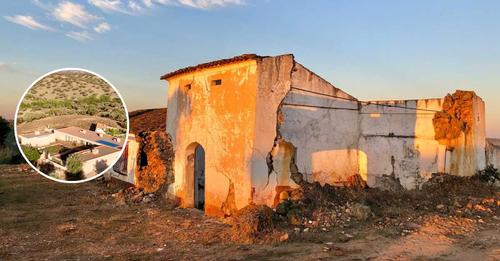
(71, 93)
(71, 85)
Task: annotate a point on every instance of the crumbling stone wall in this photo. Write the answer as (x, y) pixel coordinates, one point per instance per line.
(455, 119)
(154, 168)
(460, 126)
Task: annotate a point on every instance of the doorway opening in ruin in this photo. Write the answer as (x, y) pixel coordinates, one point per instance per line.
(196, 169)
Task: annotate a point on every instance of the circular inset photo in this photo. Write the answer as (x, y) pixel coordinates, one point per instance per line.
(71, 125)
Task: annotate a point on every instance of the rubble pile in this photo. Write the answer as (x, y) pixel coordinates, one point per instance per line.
(132, 195)
(253, 223)
(317, 208)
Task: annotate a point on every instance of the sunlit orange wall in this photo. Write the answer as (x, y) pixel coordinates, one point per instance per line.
(221, 118)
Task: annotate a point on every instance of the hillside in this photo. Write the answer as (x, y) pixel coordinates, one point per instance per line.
(71, 93)
(71, 85)
(148, 120)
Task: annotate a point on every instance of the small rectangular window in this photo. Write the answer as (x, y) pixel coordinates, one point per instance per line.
(187, 87)
(217, 82)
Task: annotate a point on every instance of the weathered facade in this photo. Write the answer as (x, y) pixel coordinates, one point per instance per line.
(243, 129)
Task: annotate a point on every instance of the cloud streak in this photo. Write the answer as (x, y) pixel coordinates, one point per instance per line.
(207, 4)
(102, 28)
(74, 14)
(83, 36)
(29, 22)
(111, 5)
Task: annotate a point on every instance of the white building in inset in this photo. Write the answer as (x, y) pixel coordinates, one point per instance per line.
(97, 151)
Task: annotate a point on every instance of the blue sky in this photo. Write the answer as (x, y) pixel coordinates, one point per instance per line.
(371, 49)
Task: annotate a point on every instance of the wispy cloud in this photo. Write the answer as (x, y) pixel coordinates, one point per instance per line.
(110, 5)
(102, 28)
(135, 6)
(148, 3)
(74, 14)
(207, 4)
(82, 36)
(28, 21)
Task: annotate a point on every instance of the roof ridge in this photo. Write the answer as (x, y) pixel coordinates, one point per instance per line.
(239, 58)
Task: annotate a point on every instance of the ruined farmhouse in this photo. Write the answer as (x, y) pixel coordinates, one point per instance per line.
(245, 129)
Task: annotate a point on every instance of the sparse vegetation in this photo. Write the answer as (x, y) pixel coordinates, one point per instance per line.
(115, 132)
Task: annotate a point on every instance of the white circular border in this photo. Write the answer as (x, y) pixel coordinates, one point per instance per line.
(17, 138)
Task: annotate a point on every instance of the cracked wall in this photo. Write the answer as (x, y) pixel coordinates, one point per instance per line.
(323, 140)
(274, 82)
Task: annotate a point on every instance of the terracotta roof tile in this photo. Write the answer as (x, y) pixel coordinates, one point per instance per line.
(240, 58)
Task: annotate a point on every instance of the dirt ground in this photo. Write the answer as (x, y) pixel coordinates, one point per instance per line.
(44, 220)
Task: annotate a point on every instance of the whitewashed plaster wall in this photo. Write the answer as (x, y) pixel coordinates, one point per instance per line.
(397, 138)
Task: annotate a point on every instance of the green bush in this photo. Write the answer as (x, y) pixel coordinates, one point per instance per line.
(490, 174)
(6, 155)
(31, 153)
(74, 166)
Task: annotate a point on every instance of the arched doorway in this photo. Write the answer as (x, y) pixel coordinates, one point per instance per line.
(199, 177)
(195, 175)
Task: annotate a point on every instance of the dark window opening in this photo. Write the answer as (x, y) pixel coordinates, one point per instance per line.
(188, 87)
(143, 160)
(217, 82)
